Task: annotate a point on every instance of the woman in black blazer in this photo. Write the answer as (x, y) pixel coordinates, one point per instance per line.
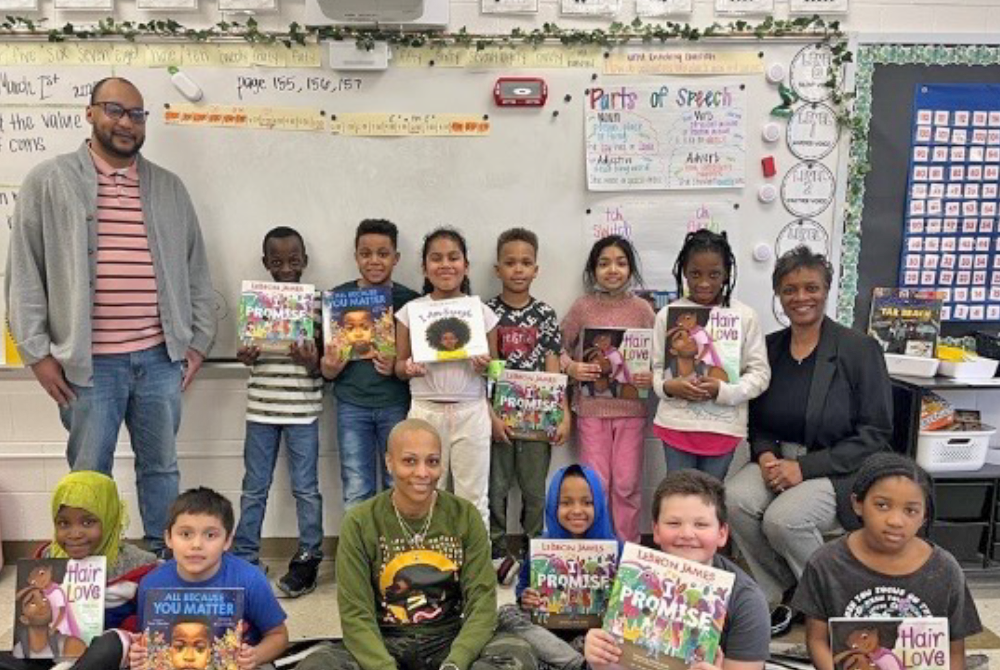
(828, 408)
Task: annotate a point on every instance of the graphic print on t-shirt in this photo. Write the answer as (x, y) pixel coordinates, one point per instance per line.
(420, 586)
(886, 601)
(516, 340)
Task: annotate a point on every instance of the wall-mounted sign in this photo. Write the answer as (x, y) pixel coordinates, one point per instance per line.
(808, 189)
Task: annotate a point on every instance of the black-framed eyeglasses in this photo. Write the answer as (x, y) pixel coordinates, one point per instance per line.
(136, 115)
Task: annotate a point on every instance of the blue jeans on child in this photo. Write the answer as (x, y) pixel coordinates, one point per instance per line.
(717, 466)
(143, 389)
(260, 453)
(362, 434)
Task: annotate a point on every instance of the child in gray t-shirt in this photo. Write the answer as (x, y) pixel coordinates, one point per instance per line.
(884, 569)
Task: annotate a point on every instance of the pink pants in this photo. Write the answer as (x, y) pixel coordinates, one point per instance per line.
(614, 448)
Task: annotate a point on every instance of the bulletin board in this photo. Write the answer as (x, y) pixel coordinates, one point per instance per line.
(887, 226)
(281, 139)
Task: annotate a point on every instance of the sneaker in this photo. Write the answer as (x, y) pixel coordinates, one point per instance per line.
(783, 618)
(301, 576)
(507, 570)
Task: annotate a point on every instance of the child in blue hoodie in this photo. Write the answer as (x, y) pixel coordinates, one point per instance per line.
(575, 508)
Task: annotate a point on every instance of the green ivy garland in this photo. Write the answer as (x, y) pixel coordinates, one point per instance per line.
(615, 34)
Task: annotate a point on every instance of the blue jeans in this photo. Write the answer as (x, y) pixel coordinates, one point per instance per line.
(362, 434)
(717, 466)
(260, 453)
(143, 389)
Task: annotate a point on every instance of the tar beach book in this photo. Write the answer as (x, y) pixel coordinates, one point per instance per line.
(358, 323)
(573, 579)
(274, 315)
(58, 606)
(531, 404)
(667, 613)
(193, 629)
(906, 321)
(447, 330)
(890, 644)
(703, 342)
(621, 353)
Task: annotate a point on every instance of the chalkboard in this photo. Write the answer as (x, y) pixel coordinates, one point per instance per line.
(893, 72)
(528, 170)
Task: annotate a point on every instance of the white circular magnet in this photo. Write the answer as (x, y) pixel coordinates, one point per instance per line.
(776, 72)
(762, 252)
(767, 193)
(771, 132)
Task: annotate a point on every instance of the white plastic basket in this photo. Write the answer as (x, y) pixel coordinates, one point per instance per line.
(953, 450)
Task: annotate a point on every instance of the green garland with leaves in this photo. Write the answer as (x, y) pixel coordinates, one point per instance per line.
(616, 34)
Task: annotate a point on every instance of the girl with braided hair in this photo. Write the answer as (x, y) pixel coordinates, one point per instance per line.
(887, 568)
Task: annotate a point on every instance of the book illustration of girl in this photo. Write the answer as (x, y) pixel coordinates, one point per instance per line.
(616, 379)
(36, 636)
(448, 336)
(42, 577)
(683, 359)
(707, 354)
(865, 652)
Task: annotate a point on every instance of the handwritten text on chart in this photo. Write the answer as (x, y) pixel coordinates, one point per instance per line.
(300, 119)
(250, 85)
(160, 55)
(683, 62)
(403, 125)
(493, 57)
(670, 135)
(38, 131)
(659, 231)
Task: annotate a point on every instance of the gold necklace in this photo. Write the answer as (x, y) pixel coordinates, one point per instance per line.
(415, 540)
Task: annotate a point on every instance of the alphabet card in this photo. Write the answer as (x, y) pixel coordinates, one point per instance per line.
(59, 606)
(899, 644)
(573, 580)
(666, 612)
(193, 628)
(447, 330)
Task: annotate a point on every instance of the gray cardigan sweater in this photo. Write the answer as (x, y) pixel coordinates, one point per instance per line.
(52, 263)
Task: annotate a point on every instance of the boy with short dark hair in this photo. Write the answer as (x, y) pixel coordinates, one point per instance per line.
(528, 339)
(284, 398)
(370, 398)
(199, 532)
(689, 521)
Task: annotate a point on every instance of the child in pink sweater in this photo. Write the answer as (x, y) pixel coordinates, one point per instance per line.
(610, 430)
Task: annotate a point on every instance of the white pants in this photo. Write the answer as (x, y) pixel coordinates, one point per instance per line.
(465, 430)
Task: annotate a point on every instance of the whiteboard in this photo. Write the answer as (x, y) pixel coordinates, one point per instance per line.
(529, 171)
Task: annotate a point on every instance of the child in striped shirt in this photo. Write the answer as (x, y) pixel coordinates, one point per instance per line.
(284, 397)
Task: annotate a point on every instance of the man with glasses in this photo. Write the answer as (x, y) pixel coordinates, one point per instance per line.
(109, 296)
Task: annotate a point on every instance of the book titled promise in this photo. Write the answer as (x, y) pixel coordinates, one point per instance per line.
(666, 612)
(573, 581)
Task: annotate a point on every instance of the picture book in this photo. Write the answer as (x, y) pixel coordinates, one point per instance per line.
(193, 629)
(358, 323)
(58, 606)
(703, 342)
(573, 580)
(906, 321)
(273, 315)
(530, 403)
(666, 612)
(447, 330)
(890, 644)
(621, 352)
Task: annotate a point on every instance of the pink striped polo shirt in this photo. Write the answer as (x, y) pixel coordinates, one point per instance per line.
(126, 317)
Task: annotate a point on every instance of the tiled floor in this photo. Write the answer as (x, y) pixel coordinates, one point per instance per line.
(315, 615)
